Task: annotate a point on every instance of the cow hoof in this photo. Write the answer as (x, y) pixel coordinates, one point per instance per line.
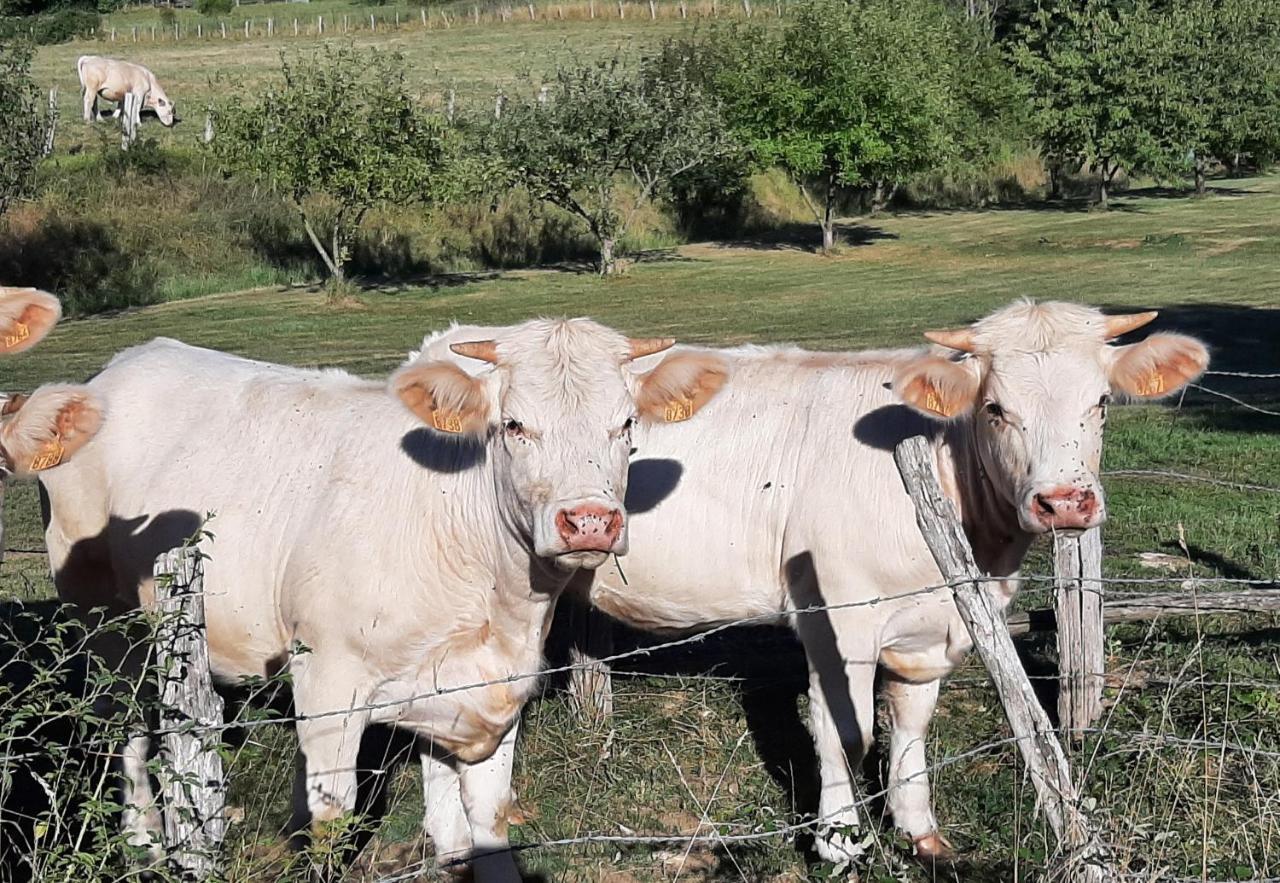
(838, 848)
(933, 848)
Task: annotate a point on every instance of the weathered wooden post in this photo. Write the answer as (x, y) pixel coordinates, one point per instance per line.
(223, 25)
(423, 10)
(130, 118)
(208, 127)
(590, 681)
(622, 10)
(50, 129)
(190, 774)
(295, 27)
(499, 103)
(450, 105)
(1045, 759)
(372, 25)
(135, 33)
(199, 31)
(653, 11)
(1077, 563)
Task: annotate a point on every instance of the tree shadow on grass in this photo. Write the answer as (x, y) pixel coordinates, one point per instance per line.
(796, 236)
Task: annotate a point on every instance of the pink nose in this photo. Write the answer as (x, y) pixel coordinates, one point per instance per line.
(589, 528)
(1065, 508)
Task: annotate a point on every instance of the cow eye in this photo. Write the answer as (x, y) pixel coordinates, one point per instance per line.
(994, 411)
(514, 427)
(629, 425)
(1104, 400)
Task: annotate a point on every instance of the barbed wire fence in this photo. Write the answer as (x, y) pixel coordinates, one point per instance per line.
(1195, 597)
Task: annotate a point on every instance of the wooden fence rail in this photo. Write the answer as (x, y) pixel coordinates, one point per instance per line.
(190, 773)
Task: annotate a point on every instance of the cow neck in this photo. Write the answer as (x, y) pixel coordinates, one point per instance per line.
(990, 522)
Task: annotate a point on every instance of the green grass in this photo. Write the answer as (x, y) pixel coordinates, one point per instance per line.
(1211, 265)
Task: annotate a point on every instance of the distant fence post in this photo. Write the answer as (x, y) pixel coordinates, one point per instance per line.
(130, 119)
(208, 126)
(1041, 751)
(50, 129)
(1077, 565)
(191, 775)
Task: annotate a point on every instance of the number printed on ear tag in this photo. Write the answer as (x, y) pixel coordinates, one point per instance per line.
(678, 410)
(20, 333)
(50, 455)
(446, 421)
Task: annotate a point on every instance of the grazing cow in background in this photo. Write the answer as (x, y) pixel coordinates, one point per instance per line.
(39, 431)
(112, 79)
(413, 543)
(793, 501)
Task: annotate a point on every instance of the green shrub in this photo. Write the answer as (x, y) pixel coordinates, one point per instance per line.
(214, 7)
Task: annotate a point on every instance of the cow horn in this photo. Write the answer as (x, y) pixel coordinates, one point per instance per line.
(1118, 325)
(13, 404)
(647, 346)
(484, 350)
(956, 339)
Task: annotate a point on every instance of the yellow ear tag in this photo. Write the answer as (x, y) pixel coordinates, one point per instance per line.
(50, 455)
(446, 421)
(678, 410)
(1154, 385)
(933, 402)
(18, 334)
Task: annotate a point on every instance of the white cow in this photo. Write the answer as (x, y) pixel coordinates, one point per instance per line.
(39, 431)
(793, 501)
(387, 549)
(112, 79)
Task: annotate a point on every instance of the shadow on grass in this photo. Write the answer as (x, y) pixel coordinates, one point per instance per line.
(795, 236)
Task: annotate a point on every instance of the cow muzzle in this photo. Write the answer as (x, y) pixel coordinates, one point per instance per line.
(582, 533)
(1062, 508)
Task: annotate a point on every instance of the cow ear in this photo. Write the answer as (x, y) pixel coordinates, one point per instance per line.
(1158, 366)
(49, 427)
(680, 385)
(937, 387)
(26, 315)
(444, 397)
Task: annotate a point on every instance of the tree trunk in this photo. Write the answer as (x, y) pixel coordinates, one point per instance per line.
(1200, 175)
(1055, 180)
(334, 269)
(339, 276)
(828, 216)
(1103, 181)
(608, 263)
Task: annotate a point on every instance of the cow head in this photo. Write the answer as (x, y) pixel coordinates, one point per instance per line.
(1035, 381)
(164, 108)
(555, 403)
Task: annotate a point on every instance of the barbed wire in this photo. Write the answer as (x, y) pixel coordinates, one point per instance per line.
(1183, 476)
(1249, 374)
(1233, 399)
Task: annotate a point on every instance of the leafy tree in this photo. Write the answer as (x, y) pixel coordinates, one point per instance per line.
(596, 125)
(1224, 81)
(338, 135)
(843, 94)
(1100, 76)
(26, 121)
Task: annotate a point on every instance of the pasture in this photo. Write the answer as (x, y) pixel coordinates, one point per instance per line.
(1185, 771)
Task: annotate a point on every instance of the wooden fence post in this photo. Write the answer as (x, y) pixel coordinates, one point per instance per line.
(130, 118)
(208, 127)
(1077, 563)
(50, 129)
(135, 33)
(622, 11)
(1042, 753)
(424, 16)
(190, 774)
(590, 681)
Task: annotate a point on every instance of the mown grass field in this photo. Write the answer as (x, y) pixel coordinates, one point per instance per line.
(684, 750)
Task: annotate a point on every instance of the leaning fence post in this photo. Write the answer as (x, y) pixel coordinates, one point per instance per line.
(190, 774)
(1042, 753)
(1077, 563)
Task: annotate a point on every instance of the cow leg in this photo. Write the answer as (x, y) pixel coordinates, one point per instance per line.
(486, 796)
(444, 817)
(330, 743)
(910, 710)
(140, 817)
(90, 106)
